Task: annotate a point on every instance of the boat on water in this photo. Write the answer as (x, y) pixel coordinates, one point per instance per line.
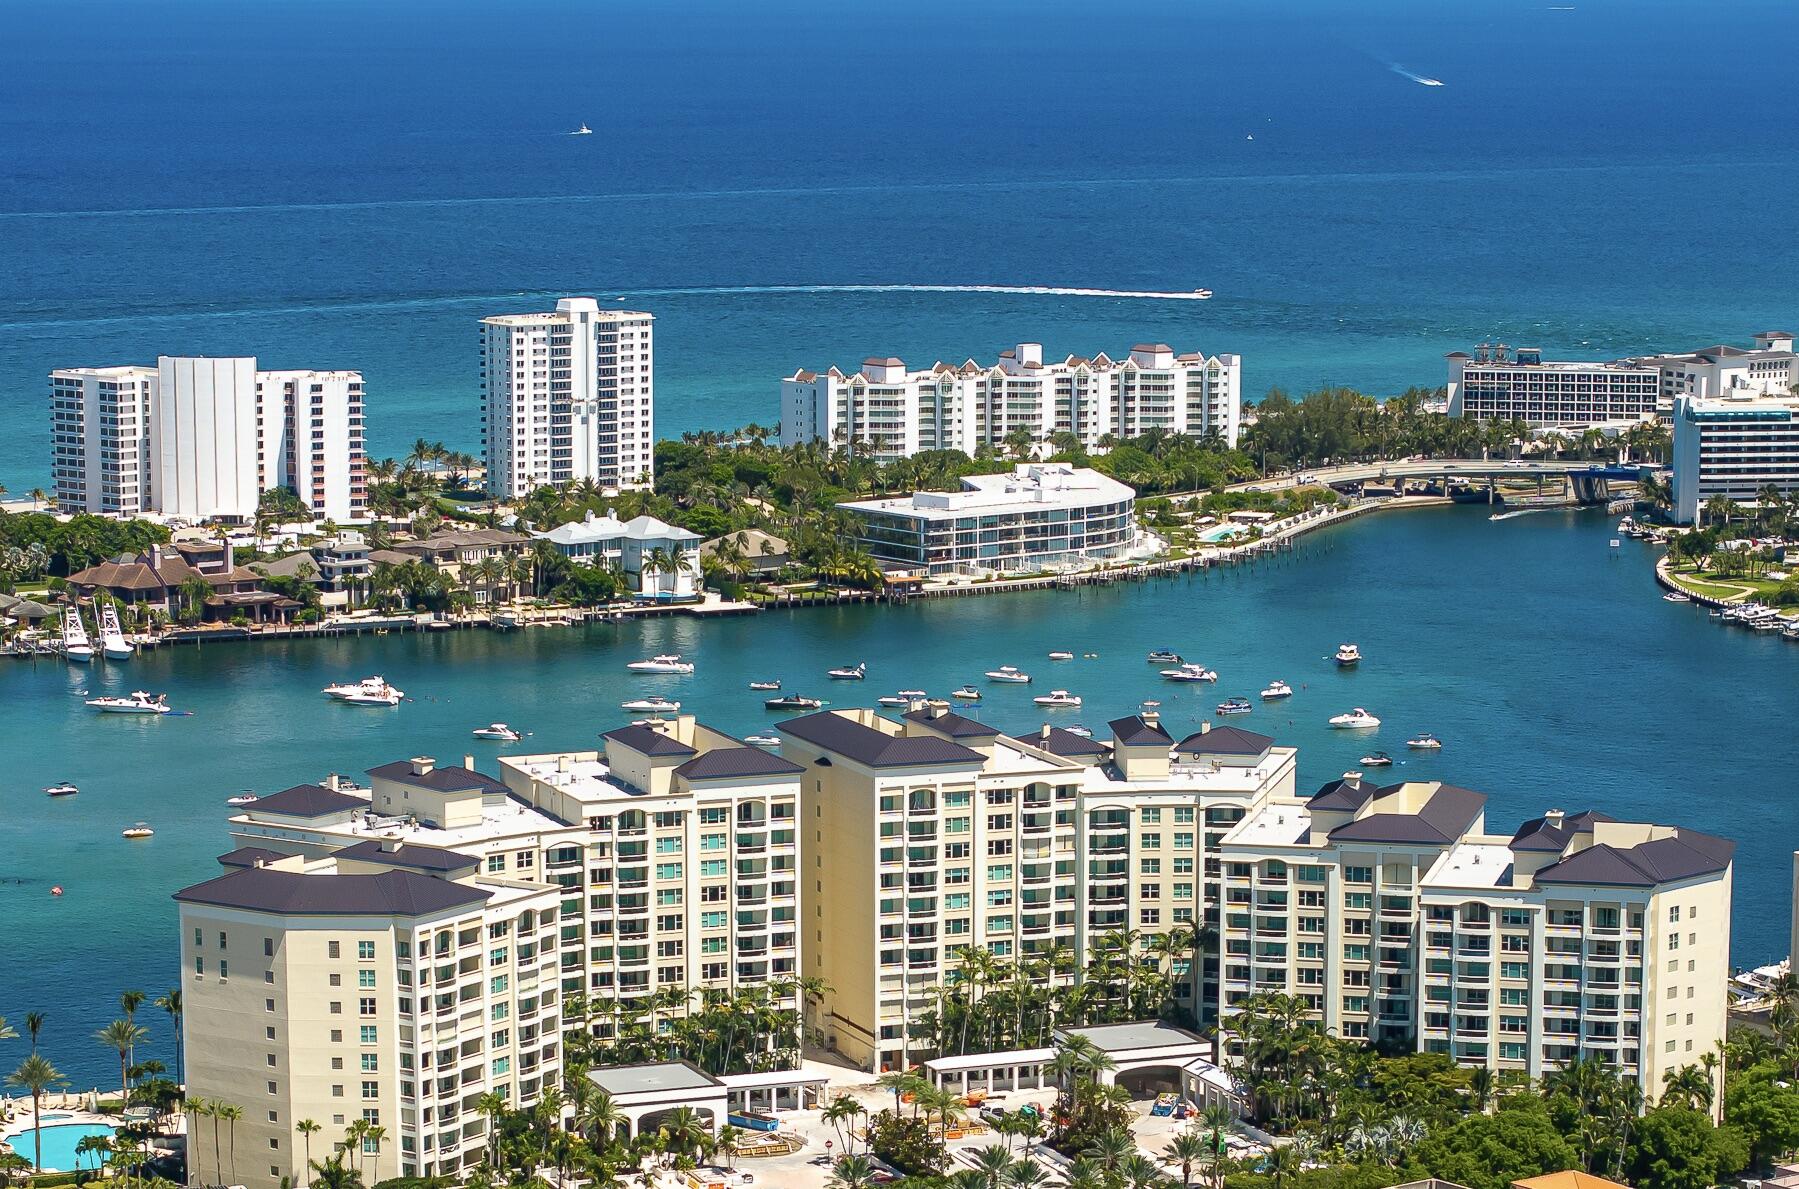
(1378, 759)
(1235, 706)
(1348, 654)
(497, 730)
(1354, 720)
(967, 693)
(138, 831)
(1009, 673)
(65, 789)
(1057, 697)
(583, 130)
(1061, 656)
(655, 704)
(911, 694)
(370, 691)
(1202, 294)
(666, 663)
(894, 700)
(1190, 672)
(763, 740)
(138, 703)
(767, 685)
(1164, 656)
(76, 646)
(113, 644)
(1277, 689)
(793, 702)
(243, 798)
(1674, 596)
(1078, 729)
(1424, 741)
(856, 672)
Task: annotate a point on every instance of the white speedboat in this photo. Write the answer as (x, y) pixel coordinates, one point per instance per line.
(1277, 689)
(652, 705)
(855, 672)
(380, 697)
(1378, 759)
(1424, 741)
(244, 798)
(1009, 673)
(1354, 720)
(65, 789)
(1190, 672)
(893, 700)
(75, 643)
(768, 685)
(1164, 656)
(113, 644)
(911, 694)
(583, 130)
(1348, 654)
(1057, 697)
(1079, 730)
(967, 693)
(497, 730)
(1674, 596)
(138, 831)
(1061, 656)
(666, 663)
(1235, 706)
(763, 740)
(138, 703)
(793, 702)
(368, 691)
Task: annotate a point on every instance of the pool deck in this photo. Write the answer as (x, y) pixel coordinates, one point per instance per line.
(60, 1110)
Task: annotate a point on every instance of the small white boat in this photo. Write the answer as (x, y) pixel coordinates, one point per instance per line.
(1277, 689)
(793, 702)
(113, 644)
(583, 130)
(1078, 729)
(652, 705)
(1378, 759)
(893, 700)
(768, 685)
(76, 646)
(1009, 673)
(1190, 672)
(1356, 719)
(911, 694)
(245, 798)
(370, 691)
(497, 730)
(854, 672)
(1057, 697)
(1061, 656)
(138, 703)
(1424, 741)
(1348, 654)
(666, 663)
(967, 693)
(1674, 596)
(1164, 656)
(138, 831)
(763, 740)
(1235, 706)
(65, 789)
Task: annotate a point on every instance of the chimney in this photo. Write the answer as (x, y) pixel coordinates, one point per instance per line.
(1043, 737)
(939, 711)
(333, 781)
(562, 763)
(1554, 818)
(468, 761)
(1151, 715)
(422, 765)
(390, 846)
(1205, 726)
(156, 559)
(230, 556)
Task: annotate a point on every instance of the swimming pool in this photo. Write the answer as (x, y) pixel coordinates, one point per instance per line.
(59, 1143)
(1223, 532)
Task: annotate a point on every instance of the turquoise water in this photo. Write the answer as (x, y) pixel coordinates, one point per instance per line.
(1546, 661)
(59, 1144)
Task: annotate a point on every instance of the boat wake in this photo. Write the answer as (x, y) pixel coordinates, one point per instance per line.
(1518, 512)
(1420, 79)
(1025, 290)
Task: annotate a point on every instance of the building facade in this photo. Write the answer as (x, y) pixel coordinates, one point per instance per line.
(1039, 516)
(1496, 383)
(319, 451)
(1733, 447)
(890, 412)
(662, 561)
(1712, 373)
(100, 438)
(568, 395)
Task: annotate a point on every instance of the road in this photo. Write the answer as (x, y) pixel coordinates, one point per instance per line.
(1426, 469)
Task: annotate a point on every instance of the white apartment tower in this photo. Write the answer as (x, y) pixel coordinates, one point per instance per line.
(100, 438)
(206, 440)
(568, 395)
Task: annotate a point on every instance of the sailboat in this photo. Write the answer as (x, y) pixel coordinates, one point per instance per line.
(75, 643)
(112, 637)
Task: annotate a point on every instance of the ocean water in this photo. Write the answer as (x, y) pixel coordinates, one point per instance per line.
(1545, 660)
(353, 185)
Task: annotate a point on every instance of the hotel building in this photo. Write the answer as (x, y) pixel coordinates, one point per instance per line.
(568, 395)
(893, 413)
(1767, 369)
(1395, 915)
(1733, 447)
(1496, 384)
(1040, 516)
(202, 438)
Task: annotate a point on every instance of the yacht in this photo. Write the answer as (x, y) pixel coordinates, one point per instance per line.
(967, 693)
(1190, 672)
(768, 685)
(763, 740)
(138, 831)
(369, 691)
(65, 789)
(138, 703)
(75, 643)
(583, 130)
(1011, 673)
(1378, 759)
(1202, 294)
(113, 644)
(1277, 689)
(1061, 656)
(667, 663)
(1348, 654)
(497, 730)
(1674, 596)
(243, 798)
(894, 700)
(654, 704)
(912, 694)
(1081, 731)
(1235, 706)
(855, 672)
(1354, 720)
(1424, 741)
(1164, 656)
(1057, 697)
(793, 702)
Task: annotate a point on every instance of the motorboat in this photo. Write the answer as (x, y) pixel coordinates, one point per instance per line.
(763, 740)
(1057, 697)
(1348, 654)
(894, 700)
(1674, 596)
(912, 695)
(1061, 656)
(793, 702)
(1355, 719)
(113, 644)
(768, 685)
(243, 798)
(138, 703)
(75, 643)
(1079, 730)
(1277, 689)
(666, 663)
(655, 704)
(497, 730)
(1378, 759)
(1202, 294)
(1235, 706)
(1190, 672)
(1164, 656)
(855, 672)
(967, 693)
(65, 789)
(1424, 741)
(138, 831)
(583, 130)
(370, 691)
(1009, 673)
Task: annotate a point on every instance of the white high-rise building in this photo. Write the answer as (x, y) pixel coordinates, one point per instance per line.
(319, 452)
(568, 395)
(100, 438)
(1770, 368)
(1497, 383)
(896, 413)
(206, 438)
(1733, 447)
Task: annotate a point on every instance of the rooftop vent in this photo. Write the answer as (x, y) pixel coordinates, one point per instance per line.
(422, 765)
(1554, 818)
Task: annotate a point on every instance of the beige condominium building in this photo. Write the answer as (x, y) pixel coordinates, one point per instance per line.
(933, 832)
(1392, 912)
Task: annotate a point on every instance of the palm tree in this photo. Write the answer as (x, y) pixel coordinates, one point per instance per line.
(991, 1162)
(122, 1036)
(171, 1003)
(600, 1117)
(307, 1129)
(333, 1175)
(851, 1172)
(683, 1130)
(231, 1113)
(1024, 1174)
(841, 1113)
(35, 1075)
(1690, 1085)
(1110, 1150)
(372, 1135)
(1187, 1149)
